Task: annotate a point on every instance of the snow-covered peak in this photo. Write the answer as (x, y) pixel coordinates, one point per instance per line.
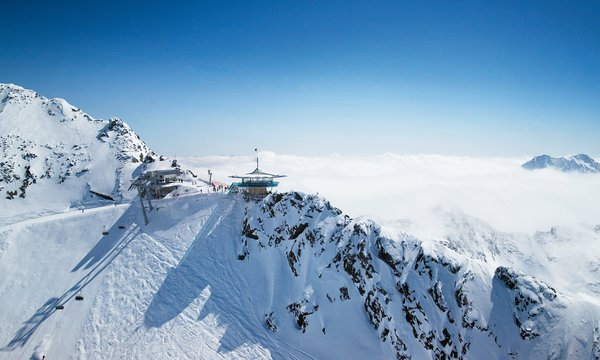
(48, 142)
(13, 95)
(14, 90)
(577, 163)
(584, 158)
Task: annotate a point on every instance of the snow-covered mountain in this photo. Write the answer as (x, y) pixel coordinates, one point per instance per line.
(425, 300)
(290, 276)
(47, 142)
(576, 163)
(215, 276)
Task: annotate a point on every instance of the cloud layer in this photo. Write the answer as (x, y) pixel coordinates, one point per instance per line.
(415, 187)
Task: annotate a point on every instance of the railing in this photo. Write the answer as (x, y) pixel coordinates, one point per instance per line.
(253, 184)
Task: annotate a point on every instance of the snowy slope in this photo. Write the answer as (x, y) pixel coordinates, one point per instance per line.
(576, 163)
(214, 276)
(47, 142)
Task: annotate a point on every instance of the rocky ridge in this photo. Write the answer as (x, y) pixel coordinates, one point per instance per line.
(422, 302)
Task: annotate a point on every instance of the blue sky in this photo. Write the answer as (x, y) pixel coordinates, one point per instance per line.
(480, 78)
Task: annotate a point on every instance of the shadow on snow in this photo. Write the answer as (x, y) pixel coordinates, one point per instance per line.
(103, 253)
(184, 283)
(201, 267)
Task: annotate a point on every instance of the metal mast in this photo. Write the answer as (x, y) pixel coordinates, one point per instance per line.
(256, 151)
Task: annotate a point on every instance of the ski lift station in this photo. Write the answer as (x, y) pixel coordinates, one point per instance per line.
(165, 179)
(255, 184)
(161, 182)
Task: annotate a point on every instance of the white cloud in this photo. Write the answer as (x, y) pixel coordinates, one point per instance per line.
(391, 187)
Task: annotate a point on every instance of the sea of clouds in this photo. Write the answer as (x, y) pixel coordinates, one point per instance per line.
(393, 187)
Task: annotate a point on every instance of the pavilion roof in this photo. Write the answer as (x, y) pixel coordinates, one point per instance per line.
(257, 173)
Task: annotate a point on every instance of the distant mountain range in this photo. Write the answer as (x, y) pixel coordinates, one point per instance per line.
(577, 163)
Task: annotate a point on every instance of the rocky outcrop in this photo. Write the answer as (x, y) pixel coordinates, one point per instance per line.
(533, 301)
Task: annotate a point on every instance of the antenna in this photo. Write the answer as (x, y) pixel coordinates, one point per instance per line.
(256, 151)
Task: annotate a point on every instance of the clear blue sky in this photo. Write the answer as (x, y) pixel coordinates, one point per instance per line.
(305, 77)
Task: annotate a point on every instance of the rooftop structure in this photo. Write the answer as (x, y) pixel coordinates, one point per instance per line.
(160, 182)
(255, 183)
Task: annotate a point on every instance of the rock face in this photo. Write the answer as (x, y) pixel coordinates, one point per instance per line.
(577, 163)
(48, 141)
(421, 302)
(531, 301)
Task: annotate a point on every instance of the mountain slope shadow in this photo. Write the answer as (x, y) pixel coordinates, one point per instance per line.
(102, 258)
(211, 262)
(107, 243)
(183, 284)
(501, 319)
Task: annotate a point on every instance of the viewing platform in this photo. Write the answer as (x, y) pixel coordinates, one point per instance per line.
(256, 183)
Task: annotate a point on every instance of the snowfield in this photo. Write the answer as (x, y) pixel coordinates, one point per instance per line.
(507, 266)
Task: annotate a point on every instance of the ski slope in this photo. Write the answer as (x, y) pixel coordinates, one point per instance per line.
(51, 258)
(162, 290)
